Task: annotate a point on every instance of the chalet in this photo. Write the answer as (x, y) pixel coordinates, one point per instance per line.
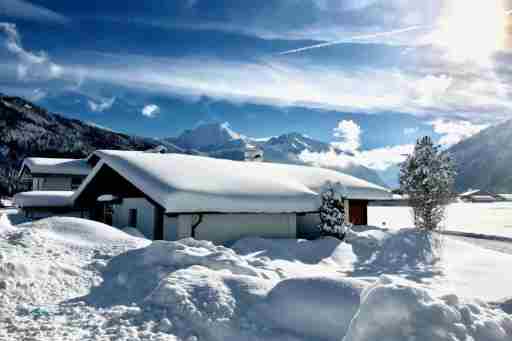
(173, 196)
(49, 174)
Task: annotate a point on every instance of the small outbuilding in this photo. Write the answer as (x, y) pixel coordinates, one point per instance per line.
(43, 204)
(174, 196)
(53, 174)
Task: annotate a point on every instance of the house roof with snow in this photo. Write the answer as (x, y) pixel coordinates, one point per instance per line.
(44, 199)
(39, 165)
(187, 184)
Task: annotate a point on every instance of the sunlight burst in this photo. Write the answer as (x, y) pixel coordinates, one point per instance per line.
(472, 30)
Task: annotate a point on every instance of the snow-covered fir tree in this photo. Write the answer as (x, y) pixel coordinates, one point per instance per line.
(427, 177)
(332, 213)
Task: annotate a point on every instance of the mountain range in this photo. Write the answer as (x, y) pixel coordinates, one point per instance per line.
(483, 161)
(29, 130)
(220, 141)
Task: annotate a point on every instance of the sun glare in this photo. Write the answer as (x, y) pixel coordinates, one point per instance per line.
(472, 30)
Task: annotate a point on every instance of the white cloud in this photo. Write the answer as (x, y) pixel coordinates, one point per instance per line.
(150, 110)
(455, 131)
(327, 87)
(349, 132)
(26, 10)
(101, 105)
(30, 66)
(382, 158)
(378, 159)
(422, 90)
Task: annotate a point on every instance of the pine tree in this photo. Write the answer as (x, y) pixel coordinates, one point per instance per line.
(427, 177)
(332, 214)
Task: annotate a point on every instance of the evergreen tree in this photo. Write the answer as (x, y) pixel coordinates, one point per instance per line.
(427, 177)
(332, 214)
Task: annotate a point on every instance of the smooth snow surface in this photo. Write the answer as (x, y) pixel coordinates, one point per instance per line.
(44, 199)
(184, 183)
(39, 165)
(73, 279)
(482, 218)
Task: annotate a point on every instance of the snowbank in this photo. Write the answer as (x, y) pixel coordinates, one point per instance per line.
(77, 231)
(317, 307)
(69, 278)
(398, 311)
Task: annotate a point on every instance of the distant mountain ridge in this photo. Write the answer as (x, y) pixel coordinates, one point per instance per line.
(484, 161)
(220, 141)
(29, 130)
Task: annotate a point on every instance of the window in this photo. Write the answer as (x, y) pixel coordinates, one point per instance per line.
(132, 217)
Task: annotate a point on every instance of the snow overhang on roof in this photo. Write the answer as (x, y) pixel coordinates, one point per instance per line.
(44, 199)
(188, 184)
(39, 165)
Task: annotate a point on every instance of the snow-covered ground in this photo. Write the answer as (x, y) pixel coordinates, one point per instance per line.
(484, 218)
(73, 279)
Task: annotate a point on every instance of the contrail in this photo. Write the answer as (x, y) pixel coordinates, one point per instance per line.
(360, 37)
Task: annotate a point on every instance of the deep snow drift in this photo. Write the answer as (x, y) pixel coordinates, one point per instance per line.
(73, 279)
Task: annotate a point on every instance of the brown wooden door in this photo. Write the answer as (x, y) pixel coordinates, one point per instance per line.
(358, 212)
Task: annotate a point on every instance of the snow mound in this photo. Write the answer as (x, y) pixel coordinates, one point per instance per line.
(212, 303)
(391, 250)
(305, 251)
(132, 276)
(399, 311)
(81, 231)
(318, 307)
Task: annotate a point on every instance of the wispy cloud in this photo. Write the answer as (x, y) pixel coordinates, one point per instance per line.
(364, 37)
(26, 10)
(30, 65)
(416, 87)
(101, 105)
(151, 110)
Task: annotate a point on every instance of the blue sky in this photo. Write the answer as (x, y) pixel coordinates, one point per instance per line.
(386, 71)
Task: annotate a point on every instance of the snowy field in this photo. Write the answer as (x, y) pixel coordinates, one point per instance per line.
(485, 218)
(73, 279)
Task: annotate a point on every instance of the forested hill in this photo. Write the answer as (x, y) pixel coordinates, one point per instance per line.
(484, 161)
(28, 130)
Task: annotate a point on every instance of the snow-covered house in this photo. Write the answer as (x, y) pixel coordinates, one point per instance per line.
(173, 196)
(49, 184)
(52, 174)
(43, 204)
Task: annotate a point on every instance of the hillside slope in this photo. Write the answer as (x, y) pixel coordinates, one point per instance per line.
(484, 160)
(28, 130)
